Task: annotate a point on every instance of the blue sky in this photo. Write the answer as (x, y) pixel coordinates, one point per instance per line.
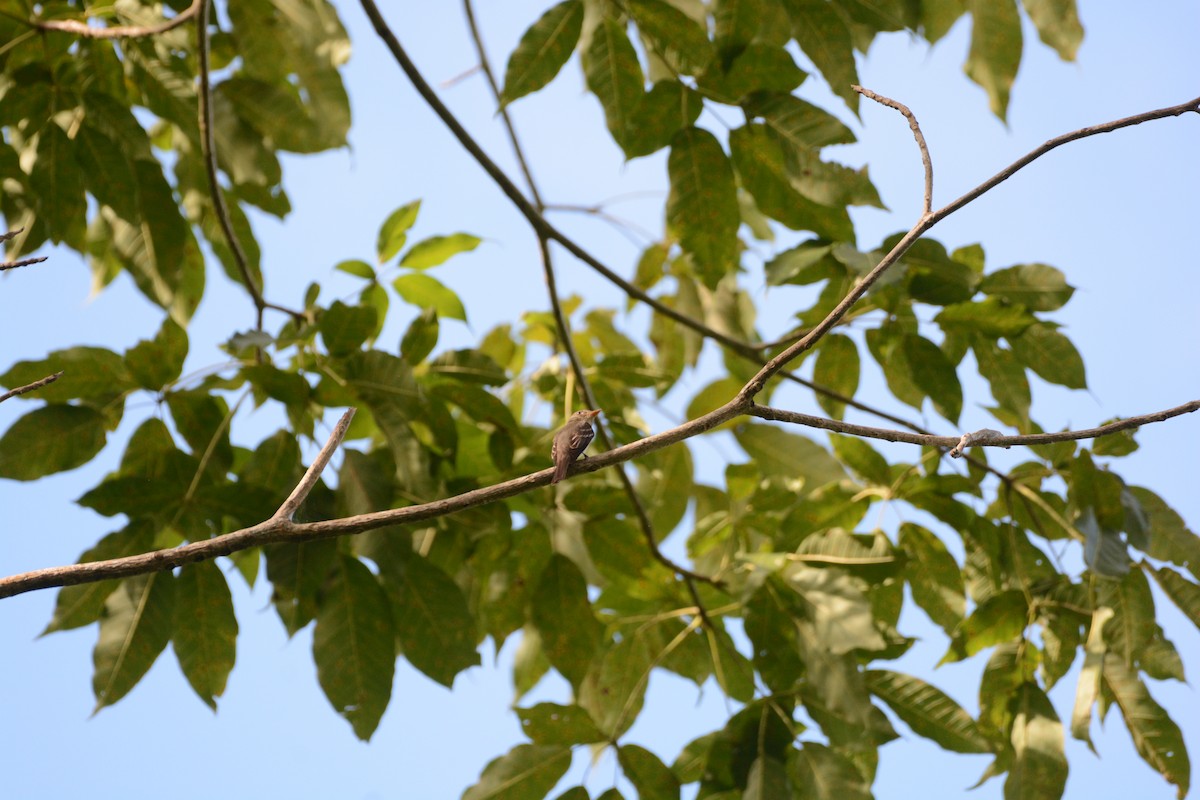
(1117, 213)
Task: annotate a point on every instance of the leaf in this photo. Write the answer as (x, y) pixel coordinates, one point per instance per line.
(543, 50)
(668, 107)
(563, 615)
(862, 458)
(53, 438)
(468, 366)
(1039, 767)
(527, 771)
(136, 626)
(676, 37)
(551, 723)
(154, 363)
(1156, 737)
(91, 373)
(420, 338)
(438, 249)
(997, 620)
(648, 774)
(820, 773)
(762, 168)
(934, 375)
(426, 292)
(759, 67)
(1005, 374)
(203, 421)
(345, 328)
(1038, 287)
(1183, 593)
(995, 49)
(798, 122)
(933, 576)
(775, 451)
(837, 368)
(205, 636)
(434, 625)
(394, 232)
(354, 645)
(107, 172)
(702, 208)
(614, 76)
(1089, 678)
(1057, 23)
(1051, 355)
(1170, 539)
(825, 38)
(840, 613)
(57, 184)
(928, 711)
(991, 317)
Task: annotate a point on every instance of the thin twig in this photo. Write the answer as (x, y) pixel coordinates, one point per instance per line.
(22, 263)
(208, 146)
(86, 31)
(982, 438)
(30, 387)
(926, 161)
(306, 484)
(4, 237)
(560, 318)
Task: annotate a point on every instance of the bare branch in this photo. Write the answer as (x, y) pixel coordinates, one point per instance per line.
(306, 484)
(86, 31)
(31, 386)
(926, 161)
(22, 263)
(4, 237)
(981, 438)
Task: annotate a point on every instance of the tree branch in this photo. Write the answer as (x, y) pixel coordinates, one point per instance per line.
(30, 387)
(86, 31)
(985, 437)
(25, 262)
(926, 161)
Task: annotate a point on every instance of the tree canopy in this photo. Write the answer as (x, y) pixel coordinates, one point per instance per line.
(151, 139)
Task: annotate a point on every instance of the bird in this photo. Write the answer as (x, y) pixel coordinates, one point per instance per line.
(570, 442)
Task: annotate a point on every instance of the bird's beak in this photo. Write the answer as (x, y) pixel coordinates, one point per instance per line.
(593, 414)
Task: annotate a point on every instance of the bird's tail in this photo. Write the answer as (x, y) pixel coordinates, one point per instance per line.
(560, 470)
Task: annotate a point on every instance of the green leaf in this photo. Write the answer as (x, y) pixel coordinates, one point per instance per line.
(995, 49)
(83, 603)
(808, 262)
(438, 249)
(1170, 539)
(702, 208)
(615, 686)
(297, 573)
(203, 421)
(798, 122)
(675, 36)
(991, 317)
(763, 170)
(933, 576)
(468, 366)
(614, 76)
(1005, 374)
(1039, 767)
(1051, 355)
(1156, 737)
(1057, 23)
(426, 292)
(820, 773)
(859, 456)
(525, 772)
(648, 774)
(57, 184)
(824, 36)
(393, 233)
(934, 375)
(839, 611)
(154, 363)
(433, 623)
(759, 67)
(205, 635)
(999, 619)
(1183, 593)
(107, 172)
(543, 50)
(346, 328)
(767, 779)
(551, 723)
(358, 268)
(563, 615)
(1088, 687)
(420, 338)
(53, 438)
(837, 368)
(928, 711)
(1038, 287)
(668, 107)
(775, 451)
(136, 626)
(354, 645)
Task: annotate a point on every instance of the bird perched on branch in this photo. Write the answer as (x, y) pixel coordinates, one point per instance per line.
(570, 442)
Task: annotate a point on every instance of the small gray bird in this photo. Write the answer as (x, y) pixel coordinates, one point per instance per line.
(570, 442)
